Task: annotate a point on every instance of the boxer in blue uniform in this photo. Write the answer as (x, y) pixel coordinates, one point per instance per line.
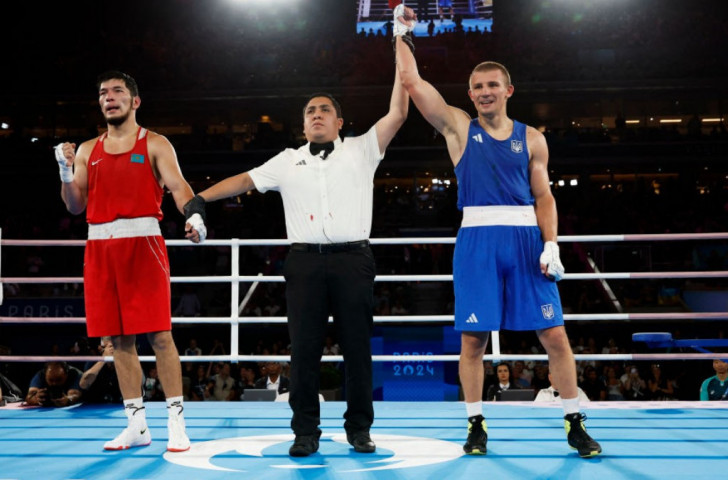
(506, 259)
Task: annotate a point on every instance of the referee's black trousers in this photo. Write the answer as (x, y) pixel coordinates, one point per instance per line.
(340, 283)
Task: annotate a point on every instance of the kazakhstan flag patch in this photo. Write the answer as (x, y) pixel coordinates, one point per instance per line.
(136, 158)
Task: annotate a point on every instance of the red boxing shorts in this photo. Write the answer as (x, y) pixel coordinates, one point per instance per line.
(126, 283)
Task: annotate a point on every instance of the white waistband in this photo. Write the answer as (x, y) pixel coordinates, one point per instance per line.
(124, 228)
(516, 215)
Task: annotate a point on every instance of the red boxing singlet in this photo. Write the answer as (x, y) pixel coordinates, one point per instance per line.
(122, 185)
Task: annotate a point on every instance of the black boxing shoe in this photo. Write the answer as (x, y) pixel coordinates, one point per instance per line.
(477, 436)
(577, 437)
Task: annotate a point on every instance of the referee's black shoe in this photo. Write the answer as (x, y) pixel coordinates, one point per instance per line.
(477, 436)
(361, 441)
(305, 445)
(577, 437)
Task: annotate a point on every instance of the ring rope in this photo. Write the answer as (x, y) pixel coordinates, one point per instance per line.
(391, 278)
(399, 240)
(705, 316)
(234, 279)
(382, 358)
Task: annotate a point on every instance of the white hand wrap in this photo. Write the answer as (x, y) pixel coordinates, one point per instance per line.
(65, 171)
(399, 28)
(198, 224)
(550, 257)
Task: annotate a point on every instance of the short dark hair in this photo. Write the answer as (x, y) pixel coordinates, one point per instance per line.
(336, 105)
(128, 80)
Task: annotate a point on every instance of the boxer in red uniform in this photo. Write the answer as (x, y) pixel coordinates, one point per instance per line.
(119, 178)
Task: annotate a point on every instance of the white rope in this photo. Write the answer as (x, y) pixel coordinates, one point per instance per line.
(627, 357)
(611, 317)
(397, 241)
(234, 320)
(390, 278)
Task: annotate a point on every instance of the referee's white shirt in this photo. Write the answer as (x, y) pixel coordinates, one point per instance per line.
(548, 395)
(325, 201)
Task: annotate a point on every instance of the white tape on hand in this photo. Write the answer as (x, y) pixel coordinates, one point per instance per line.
(400, 28)
(552, 260)
(65, 171)
(198, 224)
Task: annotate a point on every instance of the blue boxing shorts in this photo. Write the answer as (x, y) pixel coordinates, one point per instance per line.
(497, 275)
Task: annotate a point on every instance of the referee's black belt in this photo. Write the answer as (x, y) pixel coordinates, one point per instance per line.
(329, 247)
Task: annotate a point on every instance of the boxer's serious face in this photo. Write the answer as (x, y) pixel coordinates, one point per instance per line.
(116, 101)
(320, 123)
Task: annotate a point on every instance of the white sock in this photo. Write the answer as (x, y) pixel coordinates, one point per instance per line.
(571, 405)
(135, 411)
(474, 409)
(175, 406)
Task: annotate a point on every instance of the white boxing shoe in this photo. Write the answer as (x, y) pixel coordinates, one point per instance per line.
(131, 436)
(178, 439)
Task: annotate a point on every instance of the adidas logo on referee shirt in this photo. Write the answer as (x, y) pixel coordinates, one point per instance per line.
(472, 319)
(302, 162)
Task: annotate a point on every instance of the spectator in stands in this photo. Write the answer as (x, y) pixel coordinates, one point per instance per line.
(189, 304)
(521, 374)
(505, 382)
(541, 378)
(246, 379)
(272, 378)
(716, 387)
(222, 385)
(659, 385)
(193, 349)
(592, 385)
(331, 347)
(551, 394)
(152, 387)
(615, 387)
(200, 386)
(99, 382)
(635, 387)
(56, 385)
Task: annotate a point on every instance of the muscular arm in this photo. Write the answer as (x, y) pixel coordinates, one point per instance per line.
(451, 122)
(168, 171)
(229, 187)
(388, 125)
(546, 215)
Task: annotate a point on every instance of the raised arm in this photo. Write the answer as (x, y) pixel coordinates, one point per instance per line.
(451, 122)
(388, 125)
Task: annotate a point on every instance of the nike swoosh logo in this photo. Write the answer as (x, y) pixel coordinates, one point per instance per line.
(97, 161)
(142, 432)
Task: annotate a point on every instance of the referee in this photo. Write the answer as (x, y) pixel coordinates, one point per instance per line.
(327, 191)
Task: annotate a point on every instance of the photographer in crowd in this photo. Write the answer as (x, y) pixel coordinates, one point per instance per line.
(56, 385)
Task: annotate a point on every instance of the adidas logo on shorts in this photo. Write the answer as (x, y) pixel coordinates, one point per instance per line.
(472, 319)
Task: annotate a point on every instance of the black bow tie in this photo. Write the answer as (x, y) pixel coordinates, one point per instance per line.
(556, 394)
(317, 148)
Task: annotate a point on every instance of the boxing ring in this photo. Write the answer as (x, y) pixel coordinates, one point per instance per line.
(415, 440)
